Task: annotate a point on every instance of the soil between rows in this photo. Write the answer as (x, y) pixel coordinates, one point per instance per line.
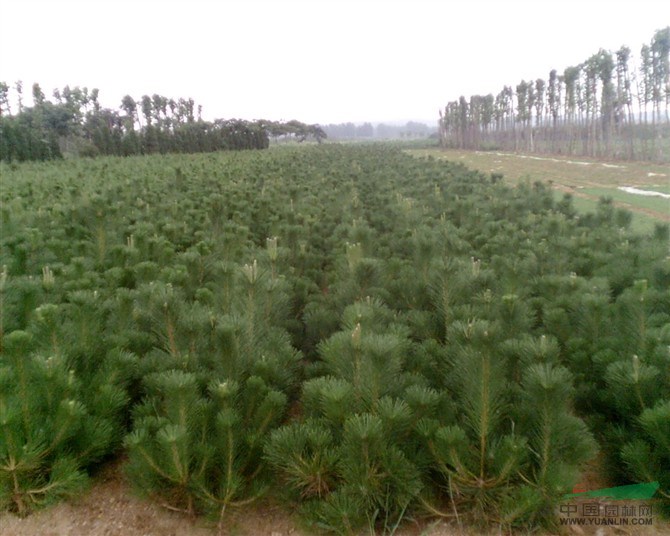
(110, 508)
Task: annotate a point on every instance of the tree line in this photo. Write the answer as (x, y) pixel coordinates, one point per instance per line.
(75, 123)
(605, 106)
(351, 131)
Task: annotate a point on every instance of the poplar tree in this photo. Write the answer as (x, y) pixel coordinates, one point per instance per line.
(4, 99)
(625, 119)
(607, 99)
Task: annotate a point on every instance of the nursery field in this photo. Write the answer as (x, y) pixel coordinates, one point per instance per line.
(367, 341)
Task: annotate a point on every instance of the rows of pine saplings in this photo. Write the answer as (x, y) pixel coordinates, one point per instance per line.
(368, 337)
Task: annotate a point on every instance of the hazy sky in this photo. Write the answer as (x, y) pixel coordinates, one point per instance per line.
(317, 61)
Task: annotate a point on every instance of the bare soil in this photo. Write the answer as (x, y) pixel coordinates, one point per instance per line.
(110, 508)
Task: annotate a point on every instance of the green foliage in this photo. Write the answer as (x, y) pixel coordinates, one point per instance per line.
(500, 463)
(648, 457)
(391, 438)
(348, 461)
(191, 450)
(370, 336)
(54, 426)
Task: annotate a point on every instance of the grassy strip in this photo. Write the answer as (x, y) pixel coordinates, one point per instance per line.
(663, 188)
(657, 204)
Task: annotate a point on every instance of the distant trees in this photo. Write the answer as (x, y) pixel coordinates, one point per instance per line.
(294, 131)
(76, 124)
(341, 130)
(351, 131)
(601, 107)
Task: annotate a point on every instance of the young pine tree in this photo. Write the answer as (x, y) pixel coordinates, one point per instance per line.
(350, 461)
(54, 424)
(216, 385)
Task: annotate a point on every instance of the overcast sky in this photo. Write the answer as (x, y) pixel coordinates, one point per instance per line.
(317, 61)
